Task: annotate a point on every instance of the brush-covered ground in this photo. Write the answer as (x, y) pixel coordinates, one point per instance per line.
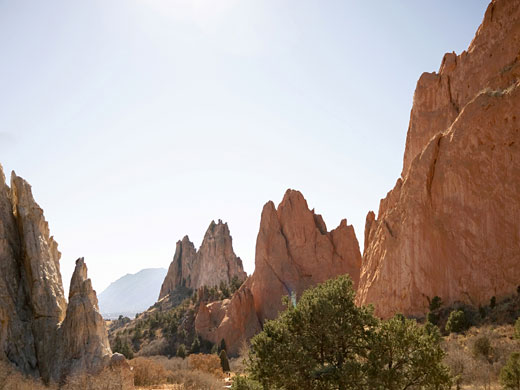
(477, 345)
(168, 327)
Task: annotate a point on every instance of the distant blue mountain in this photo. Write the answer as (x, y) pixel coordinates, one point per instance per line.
(131, 294)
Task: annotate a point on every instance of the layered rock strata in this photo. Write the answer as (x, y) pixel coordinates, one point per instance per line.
(214, 262)
(294, 251)
(451, 226)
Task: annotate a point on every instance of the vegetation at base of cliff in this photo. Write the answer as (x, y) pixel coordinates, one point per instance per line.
(168, 327)
(457, 322)
(326, 341)
(503, 312)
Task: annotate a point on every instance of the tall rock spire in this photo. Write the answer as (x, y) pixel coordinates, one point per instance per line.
(214, 262)
(39, 333)
(294, 251)
(84, 339)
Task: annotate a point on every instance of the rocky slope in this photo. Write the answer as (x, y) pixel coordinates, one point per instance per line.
(451, 226)
(214, 262)
(39, 334)
(294, 251)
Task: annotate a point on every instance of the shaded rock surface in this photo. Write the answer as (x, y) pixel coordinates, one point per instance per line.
(39, 334)
(294, 251)
(214, 262)
(451, 226)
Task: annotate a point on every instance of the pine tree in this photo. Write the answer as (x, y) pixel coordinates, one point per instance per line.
(224, 361)
(326, 341)
(181, 351)
(510, 374)
(195, 346)
(222, 345)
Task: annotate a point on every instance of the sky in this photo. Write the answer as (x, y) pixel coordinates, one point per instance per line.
(140, 121)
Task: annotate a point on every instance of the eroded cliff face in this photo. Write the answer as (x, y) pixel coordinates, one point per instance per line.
(489, 62)
(42, 278)
(451, 226)
(214, 262)
(39, 334)
(16, 335)
(294, 251)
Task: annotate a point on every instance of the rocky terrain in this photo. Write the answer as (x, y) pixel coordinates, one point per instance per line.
(294, 251)
(40, 334)
(450, 226)
(213, 263)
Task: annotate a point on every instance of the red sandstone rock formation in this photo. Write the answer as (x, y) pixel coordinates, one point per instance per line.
(234, 320)
(294, 251)
(451, 226)
(214, 262)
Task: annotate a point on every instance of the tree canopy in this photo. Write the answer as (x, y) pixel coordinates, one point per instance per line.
(327, 342)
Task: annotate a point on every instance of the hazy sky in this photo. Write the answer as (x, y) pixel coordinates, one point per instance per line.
(140, 121)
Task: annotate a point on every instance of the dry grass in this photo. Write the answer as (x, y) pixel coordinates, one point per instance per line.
(238, 365)
(198, 372)
(148, 372)
(206, 363)
(473, 370)
(11, 379)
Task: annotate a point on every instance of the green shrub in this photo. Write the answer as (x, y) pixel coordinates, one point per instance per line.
(432, 318)
(195, 346)
(224, 361)
(181, 351)
(432, 330)
(493, 302)
(457, 322)
(482, 347)
(517, 329)
(435, 303)
(244, 383)
(510, 373)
